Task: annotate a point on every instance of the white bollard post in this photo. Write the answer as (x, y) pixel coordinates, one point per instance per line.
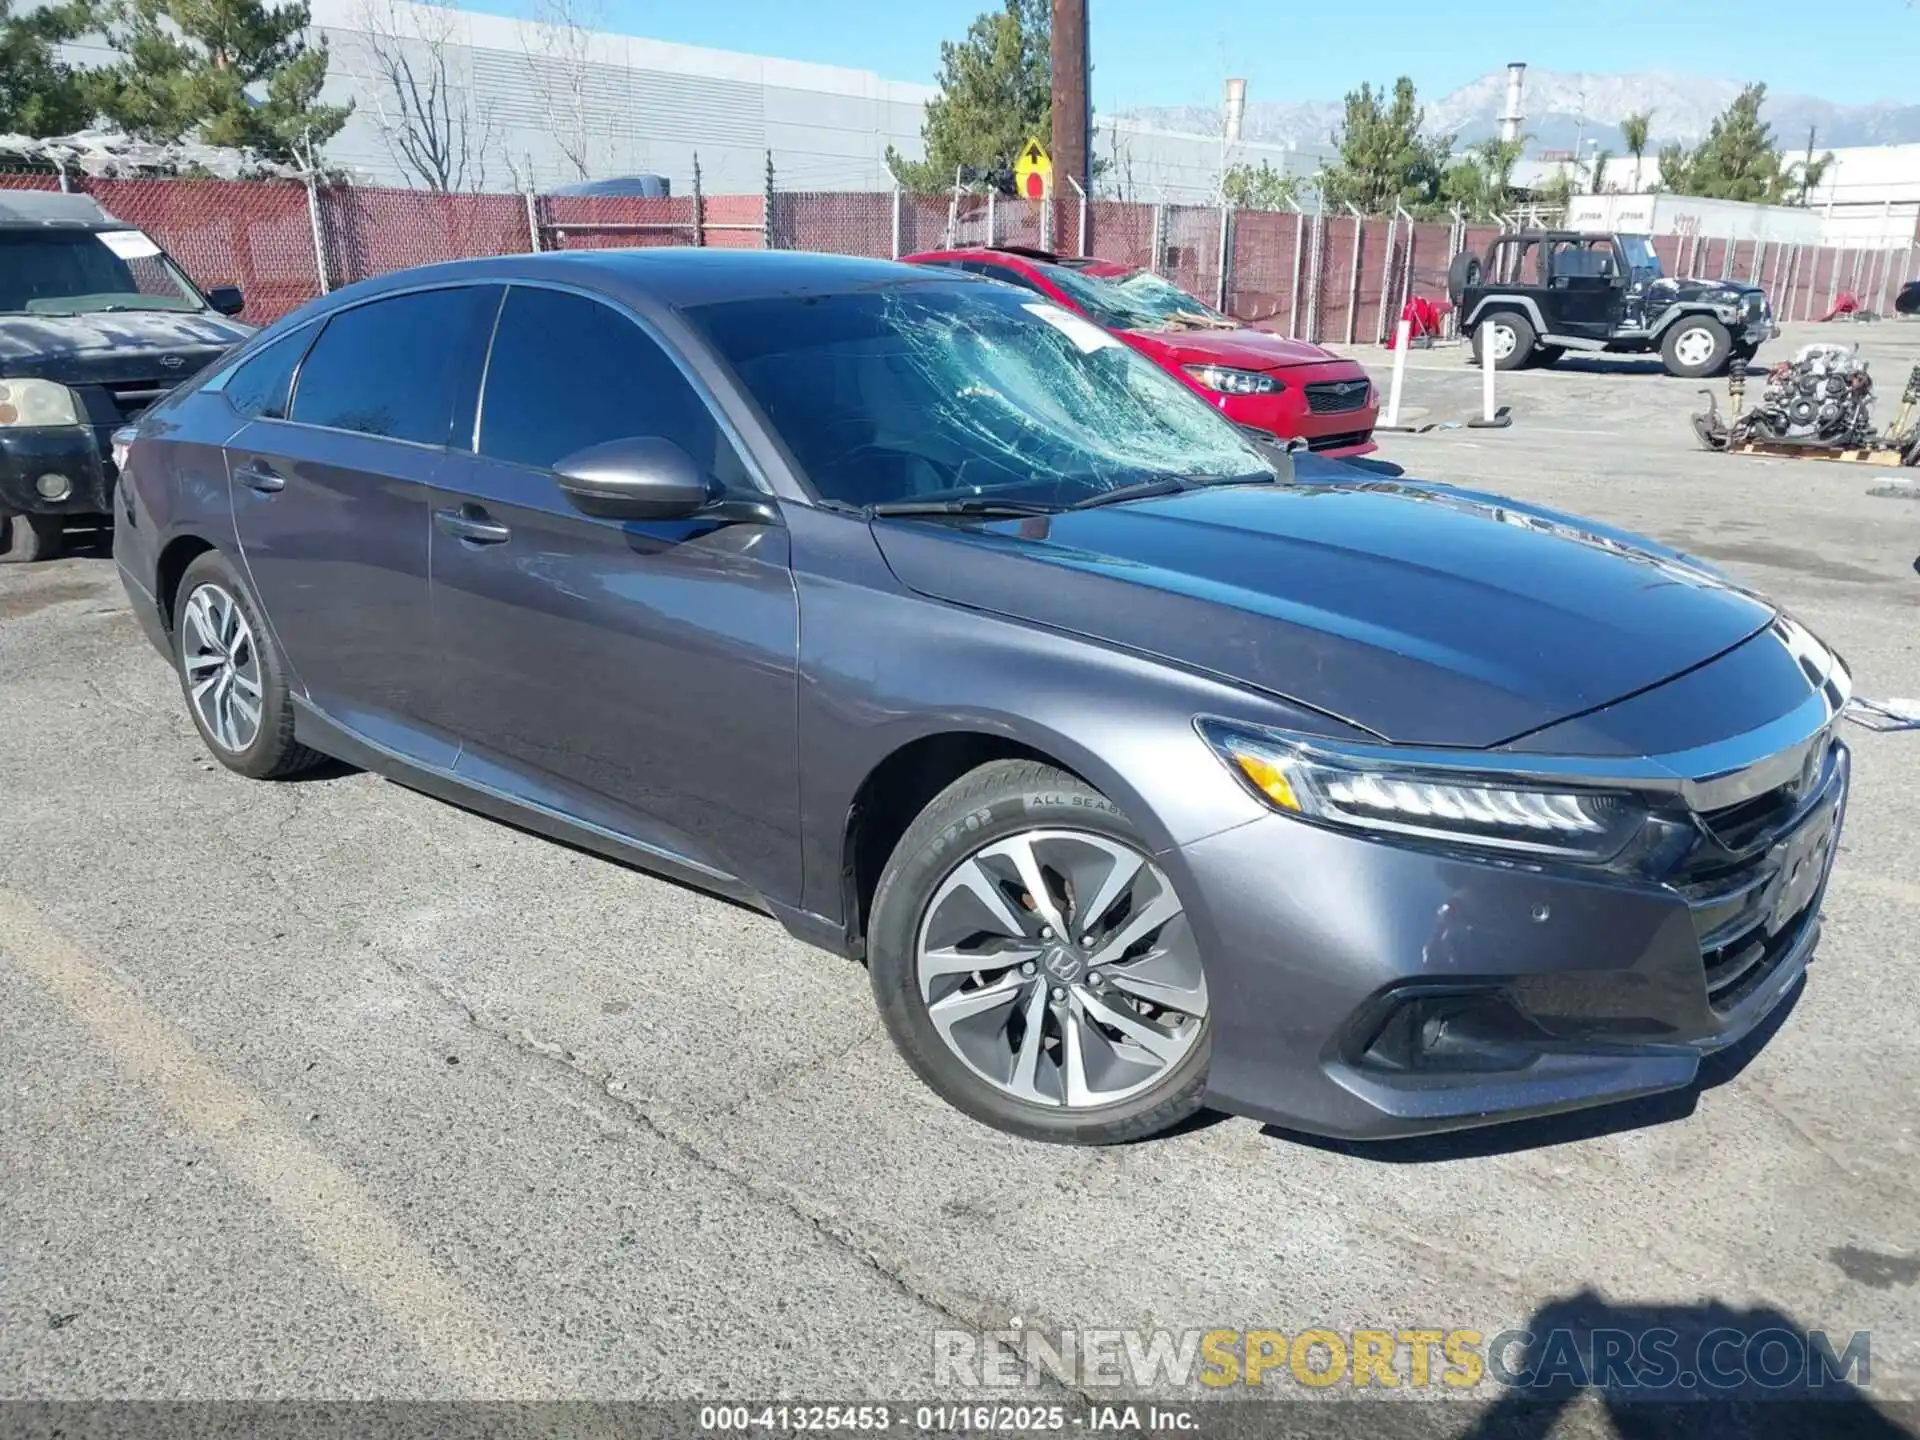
(1402, 338)
(1486, 381)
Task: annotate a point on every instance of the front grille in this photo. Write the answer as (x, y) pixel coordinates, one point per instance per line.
(1334, 397)
(135, 397)
(1759, 856)
(1340, 441)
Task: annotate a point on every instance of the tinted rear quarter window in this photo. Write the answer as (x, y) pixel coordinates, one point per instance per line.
(568, 372)
(396, 367)
(258, 388)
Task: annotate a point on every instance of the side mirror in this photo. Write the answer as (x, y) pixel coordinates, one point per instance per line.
(227, 299)
(642, 478)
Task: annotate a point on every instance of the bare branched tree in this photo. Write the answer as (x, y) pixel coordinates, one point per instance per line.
(559, 44)
(428, 114)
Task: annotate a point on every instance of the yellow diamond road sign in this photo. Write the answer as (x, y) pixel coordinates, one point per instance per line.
(1033, 172)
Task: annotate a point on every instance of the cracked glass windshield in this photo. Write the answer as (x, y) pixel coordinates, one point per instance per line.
(956, 391)
(78, 272)
(1138, 300)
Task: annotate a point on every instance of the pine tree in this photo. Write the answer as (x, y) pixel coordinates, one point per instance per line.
(223, 72)
(1384, 159)
(1736, 161)
(39, 93)
(996, 92)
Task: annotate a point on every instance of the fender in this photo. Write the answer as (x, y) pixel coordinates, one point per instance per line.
(1680, 309)
(1508, 302)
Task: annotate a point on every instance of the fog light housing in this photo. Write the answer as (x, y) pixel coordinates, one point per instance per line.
(1472, 1032)
(53, 487)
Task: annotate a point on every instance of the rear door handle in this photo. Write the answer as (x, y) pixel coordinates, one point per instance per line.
(258, 475)
(470, 522)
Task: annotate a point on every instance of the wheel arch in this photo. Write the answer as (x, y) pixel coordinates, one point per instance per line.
(902, 783)
(174, 558)
(1492, 304)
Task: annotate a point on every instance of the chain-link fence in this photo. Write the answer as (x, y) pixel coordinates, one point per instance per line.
(1321, 277)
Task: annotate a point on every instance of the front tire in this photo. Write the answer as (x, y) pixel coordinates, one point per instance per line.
(27, 538)
(1034, 966)
(1511, 337)
(233, 675)
(1696, 346)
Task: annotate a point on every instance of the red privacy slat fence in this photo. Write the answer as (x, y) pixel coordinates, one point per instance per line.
(1331, 278)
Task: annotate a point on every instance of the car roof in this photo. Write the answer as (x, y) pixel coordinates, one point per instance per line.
(46, 209)
(679, 277)
(1020, 258)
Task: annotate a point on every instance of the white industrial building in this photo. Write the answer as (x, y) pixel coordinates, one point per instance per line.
(536, 96)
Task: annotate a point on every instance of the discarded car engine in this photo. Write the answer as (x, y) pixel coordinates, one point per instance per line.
(1824, 393)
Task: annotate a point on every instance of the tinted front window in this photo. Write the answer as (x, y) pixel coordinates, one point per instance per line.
(937, 389)
(394, 367)
(258, 388)
(568, 372)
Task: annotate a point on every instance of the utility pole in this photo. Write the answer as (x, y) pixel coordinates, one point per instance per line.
(1071, 141)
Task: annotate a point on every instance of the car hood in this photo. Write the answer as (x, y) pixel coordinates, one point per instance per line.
(1425, 614)
(1243, 349)
(75, 349)
(1669, 288)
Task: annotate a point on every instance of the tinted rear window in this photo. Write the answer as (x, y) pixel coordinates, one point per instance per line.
(396, 367)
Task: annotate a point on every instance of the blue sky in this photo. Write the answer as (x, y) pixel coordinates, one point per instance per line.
(1173, 52)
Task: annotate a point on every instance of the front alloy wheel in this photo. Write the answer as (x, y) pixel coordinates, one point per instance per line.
(1058, 967)
(1034, 964)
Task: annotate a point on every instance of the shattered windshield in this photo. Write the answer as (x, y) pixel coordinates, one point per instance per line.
(1138, 300)
(1641, 258)
(942, 390)
(77, 272)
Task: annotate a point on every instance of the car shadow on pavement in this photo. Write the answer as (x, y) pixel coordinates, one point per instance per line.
(1577, 364)
(1670, 1370)
(1573, 1125)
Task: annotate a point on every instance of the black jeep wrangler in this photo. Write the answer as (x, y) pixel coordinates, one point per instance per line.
(96, 323)
(1537, 294)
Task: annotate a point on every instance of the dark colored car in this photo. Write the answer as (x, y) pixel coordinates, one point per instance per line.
(1536, 294)
(1907, 300)
(958, 636)
(1287, 388)
(96, 323)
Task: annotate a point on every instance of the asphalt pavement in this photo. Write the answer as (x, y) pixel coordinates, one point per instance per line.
(329, 1089)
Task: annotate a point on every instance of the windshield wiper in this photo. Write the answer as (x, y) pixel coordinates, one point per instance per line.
(1139, 490)
(971, 505)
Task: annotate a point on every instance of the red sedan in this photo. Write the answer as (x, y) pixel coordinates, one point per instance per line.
(1287, 387)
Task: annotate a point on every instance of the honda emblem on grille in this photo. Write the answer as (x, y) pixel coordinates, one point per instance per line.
(172, 362)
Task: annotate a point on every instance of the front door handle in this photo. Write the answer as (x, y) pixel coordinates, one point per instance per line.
(470, 522)
(258, 475)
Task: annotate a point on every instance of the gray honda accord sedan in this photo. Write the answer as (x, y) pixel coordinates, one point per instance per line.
(1146, 765)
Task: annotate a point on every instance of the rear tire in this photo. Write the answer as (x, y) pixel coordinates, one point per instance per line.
(1033, 1037)
(233, 675)
(1511, 337)
(27, 538)
(1695, 346)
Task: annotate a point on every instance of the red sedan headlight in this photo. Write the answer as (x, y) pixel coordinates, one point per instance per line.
(1229, 381)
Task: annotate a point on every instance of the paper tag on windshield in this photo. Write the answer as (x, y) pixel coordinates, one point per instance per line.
(128, 244)
(1086, 336)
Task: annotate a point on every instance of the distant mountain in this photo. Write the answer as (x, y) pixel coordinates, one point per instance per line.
(1683, 106)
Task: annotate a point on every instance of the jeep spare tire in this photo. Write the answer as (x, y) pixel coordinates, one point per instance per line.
(1695, 345)
(1462, 273)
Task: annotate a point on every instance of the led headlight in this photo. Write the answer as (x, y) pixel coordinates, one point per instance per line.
(36, 402)
(1316, 781)
(1229, 381)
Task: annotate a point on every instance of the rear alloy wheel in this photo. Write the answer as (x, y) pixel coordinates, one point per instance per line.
(1035, 965)
(1508, 336)
(232, 674)
(26, 538)
(1696, 346)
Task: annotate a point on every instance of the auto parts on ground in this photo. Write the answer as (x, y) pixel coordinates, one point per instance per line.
(1818, 405)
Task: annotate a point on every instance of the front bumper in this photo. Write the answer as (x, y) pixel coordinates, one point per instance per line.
(76, 453)
(1288, 414)
(1314, 936)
